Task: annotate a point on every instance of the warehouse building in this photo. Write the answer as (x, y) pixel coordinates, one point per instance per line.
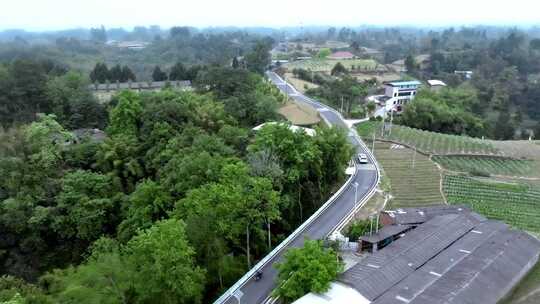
(452, 255)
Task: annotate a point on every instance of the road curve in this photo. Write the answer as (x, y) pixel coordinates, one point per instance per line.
(332, 215)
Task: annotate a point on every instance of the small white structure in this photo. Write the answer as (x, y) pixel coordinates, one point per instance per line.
(293, 128)
(435, 84)
(466, 74)
(337, 294)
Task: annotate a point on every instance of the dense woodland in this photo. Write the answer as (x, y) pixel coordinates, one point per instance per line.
(173, 206)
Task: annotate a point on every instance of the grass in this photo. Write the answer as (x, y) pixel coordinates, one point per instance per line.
(409, 185)
(490, 165)
(517, 204)
(326, 65)
(300, 84)
(298, 114)
(429, 142)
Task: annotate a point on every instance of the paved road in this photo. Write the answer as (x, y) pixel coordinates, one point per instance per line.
(255, 292)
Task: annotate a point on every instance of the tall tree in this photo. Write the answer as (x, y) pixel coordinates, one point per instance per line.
(259, 58)
(100, 73)
(158, 74)
(178, 72)
(307, 269)
(166, 271)
(235, 63)
(127, 74)
(115, 74)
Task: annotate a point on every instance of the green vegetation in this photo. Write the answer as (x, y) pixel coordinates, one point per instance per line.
(344, 94)
(410, 185)
(308, 269)
(29, 87)
(173, 205)
(428, 142)
(446, 111)
(514, 203)
(360, 228)
(489, 165)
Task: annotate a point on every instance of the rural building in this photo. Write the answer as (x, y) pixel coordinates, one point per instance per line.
(308, 131)
(453, 255)
(341, 55)
(382, 238)
(436, 85)
(397, 94)
(465, 74)
(419, 215)
(104, 91)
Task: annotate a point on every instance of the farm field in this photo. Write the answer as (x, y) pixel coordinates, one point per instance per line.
(410, 185)
(326, 65)
(490, 165)
(517, 204)
(519, 148)
(429, 142)
(300, 84)
(300, 115)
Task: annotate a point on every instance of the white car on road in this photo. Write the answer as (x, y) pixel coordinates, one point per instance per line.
(362, 158)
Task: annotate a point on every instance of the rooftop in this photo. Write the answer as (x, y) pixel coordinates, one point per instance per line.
(452, 258)
(404, 83)
(417, 215)
(143, 85)
(342, 55)
(308, 131)
(386, 232)
(435, 82)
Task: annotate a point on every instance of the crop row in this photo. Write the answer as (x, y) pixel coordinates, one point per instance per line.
(515, 204)
(428, 142)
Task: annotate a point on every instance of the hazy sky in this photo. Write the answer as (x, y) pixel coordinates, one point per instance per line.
(61, 14)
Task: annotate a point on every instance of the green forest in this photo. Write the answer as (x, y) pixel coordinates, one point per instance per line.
(172, 205)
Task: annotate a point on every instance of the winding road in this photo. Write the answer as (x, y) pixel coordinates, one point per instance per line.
(329, 218)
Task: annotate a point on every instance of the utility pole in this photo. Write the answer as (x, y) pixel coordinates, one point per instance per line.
(370, 225)
(391, 122)
(355, 194)
(373, 144)
(377, 225)
(341, 104)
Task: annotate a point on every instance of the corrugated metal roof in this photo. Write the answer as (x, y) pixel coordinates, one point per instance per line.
(379, 272)
(452, 258)
(416, 283)
(417, 215)
(386, 232)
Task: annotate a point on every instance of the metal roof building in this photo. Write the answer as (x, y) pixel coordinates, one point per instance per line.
(451, 258)
(418, 215)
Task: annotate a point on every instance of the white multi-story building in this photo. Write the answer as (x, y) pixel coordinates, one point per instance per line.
(396, 94)
(400, 93)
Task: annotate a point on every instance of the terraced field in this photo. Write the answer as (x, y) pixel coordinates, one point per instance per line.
(517, 204)
(414, 178)
(489, 165)
(429, 142)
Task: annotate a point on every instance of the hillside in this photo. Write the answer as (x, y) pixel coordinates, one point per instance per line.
(498, 179)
